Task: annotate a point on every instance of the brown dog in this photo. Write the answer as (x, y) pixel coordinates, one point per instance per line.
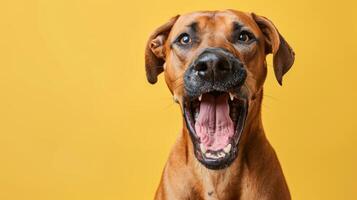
(215, 67)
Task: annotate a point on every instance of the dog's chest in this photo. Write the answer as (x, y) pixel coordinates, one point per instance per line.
(216, 183)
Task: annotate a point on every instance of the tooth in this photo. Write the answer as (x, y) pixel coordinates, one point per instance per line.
(231, 96)
(210, 155)
(221, 154)
(200, 97)
(227, 149)
(203, 148)
(214, 156)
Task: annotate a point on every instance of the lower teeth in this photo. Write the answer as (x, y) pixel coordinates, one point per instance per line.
(215, 155)
(220, 154)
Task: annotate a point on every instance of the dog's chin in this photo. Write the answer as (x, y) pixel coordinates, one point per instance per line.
(225, 152)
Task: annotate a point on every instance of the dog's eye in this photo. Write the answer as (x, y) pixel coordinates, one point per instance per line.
(244, 36)
(184, 39)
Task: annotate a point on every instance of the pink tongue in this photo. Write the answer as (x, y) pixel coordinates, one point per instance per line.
(214, 125)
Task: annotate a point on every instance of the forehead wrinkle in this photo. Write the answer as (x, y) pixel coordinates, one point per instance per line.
(193, 26)
(237, 25)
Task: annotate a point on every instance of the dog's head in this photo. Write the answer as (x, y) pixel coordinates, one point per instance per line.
(214, 65)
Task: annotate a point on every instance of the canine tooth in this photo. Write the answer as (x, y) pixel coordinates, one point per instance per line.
(200, 97)
(227, 149)
(231, 96)
(203, 148)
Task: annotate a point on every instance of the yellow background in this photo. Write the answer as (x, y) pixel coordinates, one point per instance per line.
(79, 121)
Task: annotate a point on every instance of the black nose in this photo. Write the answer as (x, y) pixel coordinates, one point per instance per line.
(212, 65)
(215, 69)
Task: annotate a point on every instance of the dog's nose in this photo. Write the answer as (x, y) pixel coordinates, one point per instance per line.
(212, 65)
(214, 69)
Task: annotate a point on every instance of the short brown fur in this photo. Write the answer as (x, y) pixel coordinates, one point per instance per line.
(256, 172)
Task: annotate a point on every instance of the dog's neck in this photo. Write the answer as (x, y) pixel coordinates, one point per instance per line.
(213, 182)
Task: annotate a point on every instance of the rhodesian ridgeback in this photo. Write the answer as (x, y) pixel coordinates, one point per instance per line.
(214, 64)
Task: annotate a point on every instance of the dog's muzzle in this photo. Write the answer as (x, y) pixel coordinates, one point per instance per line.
(214, 69)
(214, 109)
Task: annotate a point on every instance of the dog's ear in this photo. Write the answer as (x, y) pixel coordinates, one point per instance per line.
(155, 50)
(283, 54)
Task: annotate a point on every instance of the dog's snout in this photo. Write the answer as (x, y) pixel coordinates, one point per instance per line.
(212, 65)
(214, 69)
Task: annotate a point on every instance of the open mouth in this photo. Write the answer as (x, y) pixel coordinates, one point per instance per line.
(215, 121)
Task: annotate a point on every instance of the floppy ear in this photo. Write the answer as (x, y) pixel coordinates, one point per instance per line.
(155, 51)
(283, 54)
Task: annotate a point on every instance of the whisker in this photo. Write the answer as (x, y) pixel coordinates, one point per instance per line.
(271, 97)
(252, 77)
(179, 85)
(168, 106)
(265, 106)
(179, 77)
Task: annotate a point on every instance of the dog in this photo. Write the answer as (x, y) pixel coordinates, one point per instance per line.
(214, 63)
